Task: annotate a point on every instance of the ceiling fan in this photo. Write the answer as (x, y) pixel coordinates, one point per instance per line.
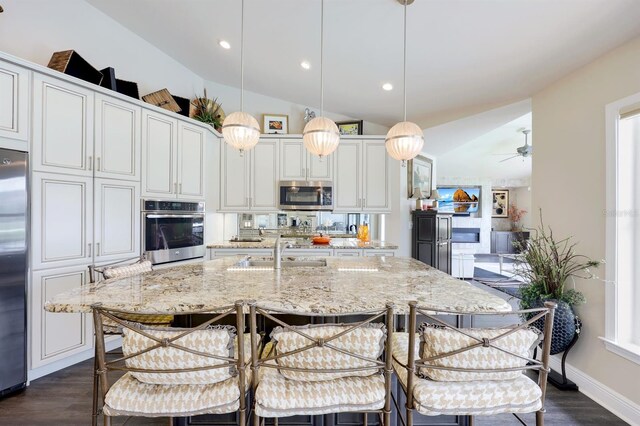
(523, 151)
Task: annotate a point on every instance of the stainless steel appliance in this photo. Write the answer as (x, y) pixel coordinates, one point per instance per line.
(14, 216)
(302, 195)
(172, 230)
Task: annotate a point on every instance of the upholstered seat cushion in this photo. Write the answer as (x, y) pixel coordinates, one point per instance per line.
(128, 396)
(366, 341)
(439, 340)
(278, 396)
(479, 397)
(216, 341)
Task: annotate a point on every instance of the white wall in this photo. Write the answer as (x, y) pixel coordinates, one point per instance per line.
(568, 183)
(34, 29)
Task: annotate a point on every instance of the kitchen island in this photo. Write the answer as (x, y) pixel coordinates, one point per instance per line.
(344, 285)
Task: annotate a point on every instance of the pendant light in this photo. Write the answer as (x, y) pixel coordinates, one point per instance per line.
(321, 136)
(404, 140)
(240, 129)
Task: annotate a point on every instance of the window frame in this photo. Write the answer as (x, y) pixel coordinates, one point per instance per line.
(611, 338)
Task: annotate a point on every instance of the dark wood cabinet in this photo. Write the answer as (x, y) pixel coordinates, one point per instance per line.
(431, 239)
(502, 242)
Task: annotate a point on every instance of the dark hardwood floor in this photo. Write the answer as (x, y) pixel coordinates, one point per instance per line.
(64, 398)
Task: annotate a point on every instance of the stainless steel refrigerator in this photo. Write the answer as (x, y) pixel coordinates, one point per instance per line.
(14, 220)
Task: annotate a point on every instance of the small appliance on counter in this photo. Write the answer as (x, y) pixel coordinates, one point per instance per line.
(172, 230)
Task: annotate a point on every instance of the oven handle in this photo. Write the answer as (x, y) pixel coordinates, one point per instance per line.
(165, 216)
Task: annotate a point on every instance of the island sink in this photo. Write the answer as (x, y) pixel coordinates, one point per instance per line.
(286, 262)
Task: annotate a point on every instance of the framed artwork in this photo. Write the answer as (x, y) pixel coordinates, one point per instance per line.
(419, 176)
(350, 127)
(500, 207)
(275, 123)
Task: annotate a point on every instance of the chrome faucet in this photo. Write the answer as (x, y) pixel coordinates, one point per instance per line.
(278, 249)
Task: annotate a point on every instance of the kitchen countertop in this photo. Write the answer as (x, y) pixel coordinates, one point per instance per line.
(344, 285)
(336, 243)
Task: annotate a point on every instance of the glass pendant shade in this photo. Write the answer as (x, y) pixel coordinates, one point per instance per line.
(241, 130)
(321, 136)
(404, 141)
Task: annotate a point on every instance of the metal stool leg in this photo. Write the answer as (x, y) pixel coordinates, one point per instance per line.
(94, 414)
(365, 419)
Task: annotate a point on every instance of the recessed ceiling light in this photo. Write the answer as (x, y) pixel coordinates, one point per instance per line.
(224, 44)
(387, 86)
(305, 64)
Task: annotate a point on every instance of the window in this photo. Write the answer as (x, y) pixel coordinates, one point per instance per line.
(623, 228)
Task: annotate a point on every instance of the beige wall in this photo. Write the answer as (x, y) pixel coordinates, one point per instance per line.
(568, 183)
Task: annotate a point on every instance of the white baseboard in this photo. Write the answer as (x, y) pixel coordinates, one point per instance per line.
(618, 404)
(36, 373)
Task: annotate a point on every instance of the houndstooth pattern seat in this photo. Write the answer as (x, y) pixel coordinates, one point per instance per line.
(447, 370)
(478, 397)
(322, 369)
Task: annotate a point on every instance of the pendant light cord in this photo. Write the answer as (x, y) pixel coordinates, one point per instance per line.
(404, 61)
(321, 58)
(242, 56)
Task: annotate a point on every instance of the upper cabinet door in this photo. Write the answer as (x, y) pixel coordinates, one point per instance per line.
(14, 103)
(191, 140)
(347, 186)
(62, 127)
(264, 176)
(234, 179)
(293, 160)
(319, 168)
(62, 212)
(159, 148)
(117, 139)
(117, 219)
(375, 177)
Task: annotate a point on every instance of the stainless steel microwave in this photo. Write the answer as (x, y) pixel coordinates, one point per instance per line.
(303, 195)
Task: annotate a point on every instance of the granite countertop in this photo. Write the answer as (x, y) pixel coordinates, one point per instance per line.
(344, 285)
(336, 243)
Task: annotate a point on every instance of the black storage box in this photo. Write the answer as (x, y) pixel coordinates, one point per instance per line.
(71, 63)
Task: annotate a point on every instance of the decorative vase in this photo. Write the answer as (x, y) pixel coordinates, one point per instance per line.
(515, 227)
(565, 325)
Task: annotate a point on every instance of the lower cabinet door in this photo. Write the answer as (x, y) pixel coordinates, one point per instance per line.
(425, 252)
(55, 336)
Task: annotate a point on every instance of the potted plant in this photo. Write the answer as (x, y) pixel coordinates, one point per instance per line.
(208, 111)
(546, 263)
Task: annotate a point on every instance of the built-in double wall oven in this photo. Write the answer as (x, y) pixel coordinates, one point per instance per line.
(172, 230)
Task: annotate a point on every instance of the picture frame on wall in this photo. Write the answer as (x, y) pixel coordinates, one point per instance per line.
(275, 124)
(353, 127)
(500, 206)
(419, 176)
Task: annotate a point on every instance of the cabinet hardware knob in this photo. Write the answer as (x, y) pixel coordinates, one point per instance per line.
(89, 162)
(98, 166)
(89, 250)
(97, 249)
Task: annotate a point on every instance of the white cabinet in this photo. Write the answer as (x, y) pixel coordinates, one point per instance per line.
(117, 139)
(263, 194)
(308, 253)
(159, 149)
(361, 177)
(347, 253)
(172, 158)
(14, 104)
(375, 177)
(220, 253)
(249, 182)
(378, 253)
(191, 140)
(55, 336)
(299, 164)
(62, 220)
(117, 219)
(348, 183)
(62, 127)
(234, 179)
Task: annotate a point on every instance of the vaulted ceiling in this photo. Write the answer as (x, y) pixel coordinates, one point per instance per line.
(462, 54)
